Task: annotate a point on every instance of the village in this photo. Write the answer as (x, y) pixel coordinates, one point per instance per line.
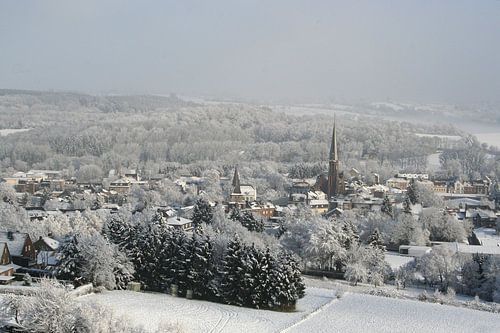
(48, 193)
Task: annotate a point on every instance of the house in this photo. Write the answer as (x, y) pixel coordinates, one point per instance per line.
(6, 268)
(124, 184)
(20, 246)
(46, 252)
(182, 223)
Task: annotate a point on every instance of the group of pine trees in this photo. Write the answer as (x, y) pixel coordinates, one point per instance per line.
(164, 258)
(254, 278)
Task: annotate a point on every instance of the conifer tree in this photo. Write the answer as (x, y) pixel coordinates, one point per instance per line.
(70, 262)
(231, 273)
(202, 213)
(412, 192)
(387, 206)
(200, 267)
(375, 240)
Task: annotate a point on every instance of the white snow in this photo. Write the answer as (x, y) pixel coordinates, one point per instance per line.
(395, 260)
(365, 313)
(318, 311)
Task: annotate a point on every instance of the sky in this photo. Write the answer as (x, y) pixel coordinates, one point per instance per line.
(275, 50)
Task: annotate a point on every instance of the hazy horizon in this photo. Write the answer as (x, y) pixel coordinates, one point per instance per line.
(419, 51)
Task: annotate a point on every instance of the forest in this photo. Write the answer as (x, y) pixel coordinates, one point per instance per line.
(166, 135)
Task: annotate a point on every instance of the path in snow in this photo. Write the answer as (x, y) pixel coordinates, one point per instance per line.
(150, 309)
(365, 313)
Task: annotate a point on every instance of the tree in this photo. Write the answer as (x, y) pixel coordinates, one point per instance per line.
(51, 308)
(247, 220)
(231, 272)
(89, 173)
(92, 259)
(387, 206)
(409, 231)
(412, 192)
(356, 272)
(439, 267)
(202, 213)
(201, 267)
(442, 226)
(375, 240)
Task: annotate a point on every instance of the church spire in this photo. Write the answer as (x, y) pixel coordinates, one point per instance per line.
(333, 148)
(236, 181)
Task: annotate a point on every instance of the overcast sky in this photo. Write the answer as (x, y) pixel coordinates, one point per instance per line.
(423, 51)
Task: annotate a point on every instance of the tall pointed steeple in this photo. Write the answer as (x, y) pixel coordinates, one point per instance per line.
(333, 148)
(335, 182)
(236, 181)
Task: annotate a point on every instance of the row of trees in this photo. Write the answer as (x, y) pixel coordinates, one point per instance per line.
(242, 274)
(469, 274)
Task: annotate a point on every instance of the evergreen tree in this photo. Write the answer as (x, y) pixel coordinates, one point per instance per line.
(120, 230)
(175, 259)
(248, 221)
(202, 213)
(200, 268)
(375, 240)
(231, 272)
(412, 192)
(387, 206)
(287, 282)
(70, 262)
(147, 255)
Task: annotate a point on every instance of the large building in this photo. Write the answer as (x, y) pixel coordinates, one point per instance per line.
(335, 177)
(241, 193)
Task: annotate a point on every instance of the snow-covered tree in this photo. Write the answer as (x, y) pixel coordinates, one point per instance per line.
(356, 272)
(409, 231)
(201, 267)
(439, 267)
(231, 273)
(93, 259)
(375, 240)
(387, 206)
(202, 213)
(412, 192)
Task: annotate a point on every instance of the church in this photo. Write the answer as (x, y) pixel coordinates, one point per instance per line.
(333, 183)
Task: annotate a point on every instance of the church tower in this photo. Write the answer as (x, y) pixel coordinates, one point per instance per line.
(335, 183)
(236, 181)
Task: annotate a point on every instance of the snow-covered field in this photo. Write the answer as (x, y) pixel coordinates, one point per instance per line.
(319, 311)
(493, 139)
(7, 131)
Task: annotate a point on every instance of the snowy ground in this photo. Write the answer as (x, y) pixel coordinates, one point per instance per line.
(319, 311)
(395, 260)
(365, 313)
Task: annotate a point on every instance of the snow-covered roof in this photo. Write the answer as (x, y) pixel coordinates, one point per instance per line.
(15, 243)
(318, 202)
(247, 189)
(52, 243)
(487, 236)
(178, 221)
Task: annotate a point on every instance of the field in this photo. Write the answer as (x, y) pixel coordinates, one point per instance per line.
(319, 311)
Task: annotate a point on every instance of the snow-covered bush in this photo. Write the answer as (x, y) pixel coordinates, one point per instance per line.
(51, 308)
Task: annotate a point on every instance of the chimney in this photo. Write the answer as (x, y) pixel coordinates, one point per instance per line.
(10, 235)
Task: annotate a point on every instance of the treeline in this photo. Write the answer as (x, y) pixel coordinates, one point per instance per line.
(155, 134)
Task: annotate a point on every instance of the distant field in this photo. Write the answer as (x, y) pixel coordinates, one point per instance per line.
(7, 131)
(493, 139)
